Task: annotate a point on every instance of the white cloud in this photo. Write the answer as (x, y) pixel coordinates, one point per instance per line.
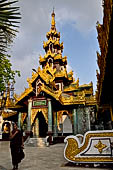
(25, 66)
(82, 15)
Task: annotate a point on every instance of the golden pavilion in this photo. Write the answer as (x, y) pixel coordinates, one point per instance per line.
(54, 103)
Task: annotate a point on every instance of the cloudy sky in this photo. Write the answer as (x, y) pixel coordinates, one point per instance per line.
(75, 20)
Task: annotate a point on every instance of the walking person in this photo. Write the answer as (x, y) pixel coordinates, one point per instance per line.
(16, 145)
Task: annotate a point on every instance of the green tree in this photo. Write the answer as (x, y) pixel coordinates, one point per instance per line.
(9, 17)
(6, 73)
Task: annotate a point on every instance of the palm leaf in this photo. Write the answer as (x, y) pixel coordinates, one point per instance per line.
(1, 1)
(8, 22)
(8, 8)
(8, 16)
(7, 4)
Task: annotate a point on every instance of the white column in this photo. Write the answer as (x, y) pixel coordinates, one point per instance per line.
(49, 116)
(19, 120)
(29, 115)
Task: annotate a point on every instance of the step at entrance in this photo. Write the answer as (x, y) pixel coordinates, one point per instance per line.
(37, 142)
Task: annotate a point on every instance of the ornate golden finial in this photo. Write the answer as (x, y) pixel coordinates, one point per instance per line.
(53, 20)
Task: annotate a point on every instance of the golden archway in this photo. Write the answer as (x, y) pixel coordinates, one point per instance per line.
(34, 113)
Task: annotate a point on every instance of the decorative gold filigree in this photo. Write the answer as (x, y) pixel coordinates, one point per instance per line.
(55, 42)
(72, 148)
(51, 92)
(69, 100)
(34, 113)
(100, 146)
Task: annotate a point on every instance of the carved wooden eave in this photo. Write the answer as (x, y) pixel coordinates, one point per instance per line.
(53, 32)
(103, 39)
(71, 100)
(24, 94)
(84, 92)
(47, 72)
(86, 85)
(54, 56)
(54, 42)
(42, 88)
(66, 99)
(49, 91)
(78, 100)
(50, 75)
(72, 87)
(48, 54)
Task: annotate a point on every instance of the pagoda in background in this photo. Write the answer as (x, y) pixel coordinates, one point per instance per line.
(54, 102)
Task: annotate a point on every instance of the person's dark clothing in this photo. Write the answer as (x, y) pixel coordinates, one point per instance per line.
(15, 145)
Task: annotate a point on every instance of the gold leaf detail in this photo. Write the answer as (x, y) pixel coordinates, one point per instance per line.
(100, 146)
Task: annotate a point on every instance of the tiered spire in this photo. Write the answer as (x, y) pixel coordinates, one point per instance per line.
(53, 58)
(52, 46)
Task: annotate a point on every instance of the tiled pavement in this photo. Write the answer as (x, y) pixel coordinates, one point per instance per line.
(47, 158)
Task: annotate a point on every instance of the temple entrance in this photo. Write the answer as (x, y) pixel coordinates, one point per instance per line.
(40, 126)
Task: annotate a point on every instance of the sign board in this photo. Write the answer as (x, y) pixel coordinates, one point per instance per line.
(39, 103)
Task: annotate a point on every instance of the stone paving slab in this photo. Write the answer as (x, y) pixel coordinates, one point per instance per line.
(47, 158)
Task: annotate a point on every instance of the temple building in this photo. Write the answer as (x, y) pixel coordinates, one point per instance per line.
(104, 93)
(54, 103)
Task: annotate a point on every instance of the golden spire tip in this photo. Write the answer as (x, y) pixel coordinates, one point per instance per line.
(53, 20)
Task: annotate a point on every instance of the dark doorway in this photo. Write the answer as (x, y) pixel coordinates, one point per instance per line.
(43, 126)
